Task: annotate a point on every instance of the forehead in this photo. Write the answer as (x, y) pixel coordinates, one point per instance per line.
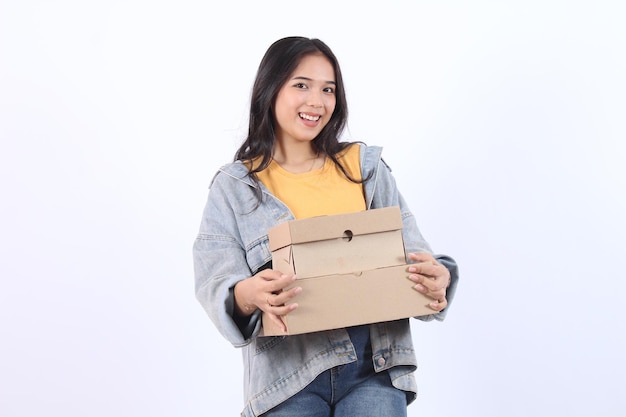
(315, 67)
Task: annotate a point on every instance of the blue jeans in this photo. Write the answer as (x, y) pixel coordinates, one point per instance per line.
(343, 391)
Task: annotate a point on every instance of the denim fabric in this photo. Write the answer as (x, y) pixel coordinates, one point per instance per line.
(354, 389)
(232, 245)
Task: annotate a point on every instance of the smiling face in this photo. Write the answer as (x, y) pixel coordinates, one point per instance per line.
(305, 103)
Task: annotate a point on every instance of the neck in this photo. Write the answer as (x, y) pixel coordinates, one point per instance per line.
(298, 159)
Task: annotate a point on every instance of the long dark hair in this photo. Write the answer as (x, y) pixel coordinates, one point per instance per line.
(278, 63)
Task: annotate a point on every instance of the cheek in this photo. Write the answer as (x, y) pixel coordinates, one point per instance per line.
(286, 104)
(330, 105)
(281, 109)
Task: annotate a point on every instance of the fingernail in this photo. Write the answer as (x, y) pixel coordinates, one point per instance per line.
(298, 290)
(412, 269)
(419, 287)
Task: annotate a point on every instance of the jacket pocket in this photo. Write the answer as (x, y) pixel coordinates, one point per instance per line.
(258, 254)
(263, 344)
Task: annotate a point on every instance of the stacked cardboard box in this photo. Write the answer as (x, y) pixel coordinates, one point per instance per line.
(351, 267)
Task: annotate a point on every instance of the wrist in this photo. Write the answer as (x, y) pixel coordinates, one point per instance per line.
(243, 307)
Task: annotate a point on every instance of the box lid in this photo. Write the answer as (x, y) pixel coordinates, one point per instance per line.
(336, 226)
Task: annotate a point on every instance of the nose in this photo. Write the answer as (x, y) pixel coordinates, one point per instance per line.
(315, 99)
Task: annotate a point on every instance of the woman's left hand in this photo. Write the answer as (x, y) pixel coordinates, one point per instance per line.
(431, 279)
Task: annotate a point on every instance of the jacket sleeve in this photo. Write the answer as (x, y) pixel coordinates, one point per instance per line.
(219, 260)
(385, 193)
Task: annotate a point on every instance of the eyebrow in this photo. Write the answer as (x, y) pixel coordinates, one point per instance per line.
(309, 79)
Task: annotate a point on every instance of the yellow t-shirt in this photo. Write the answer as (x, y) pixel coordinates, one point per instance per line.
(319, 192)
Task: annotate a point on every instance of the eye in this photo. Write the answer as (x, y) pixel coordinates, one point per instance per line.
(329, 90)
(300, 85)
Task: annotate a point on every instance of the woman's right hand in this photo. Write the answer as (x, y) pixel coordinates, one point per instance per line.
(266, 291)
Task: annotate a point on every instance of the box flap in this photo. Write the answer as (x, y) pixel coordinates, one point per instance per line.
(340, 256)
(334, 226)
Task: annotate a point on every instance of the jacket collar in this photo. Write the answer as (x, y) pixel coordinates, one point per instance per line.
(236, 170)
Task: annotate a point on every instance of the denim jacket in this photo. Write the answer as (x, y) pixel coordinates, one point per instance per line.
(232, 245)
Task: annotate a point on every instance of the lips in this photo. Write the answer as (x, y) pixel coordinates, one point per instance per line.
(311, 118)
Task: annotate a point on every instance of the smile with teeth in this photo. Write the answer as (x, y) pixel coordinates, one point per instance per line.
(311, 118)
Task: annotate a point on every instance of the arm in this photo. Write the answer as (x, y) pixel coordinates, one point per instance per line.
(219, 258)
(383, 192)
(227, 287)
(265, 291)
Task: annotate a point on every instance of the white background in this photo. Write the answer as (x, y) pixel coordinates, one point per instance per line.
(504, 123)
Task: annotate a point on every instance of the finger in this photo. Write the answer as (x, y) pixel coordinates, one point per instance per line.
(270, 274)
(284, 310)
(279, 284)
(283, 297)
(437, 294)
(280, 300)
(278, 321)
(439, 304)
(430, 284)
(426, 268)
(276, 314)
(422, 257)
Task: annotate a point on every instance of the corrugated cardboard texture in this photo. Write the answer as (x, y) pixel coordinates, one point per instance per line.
(337, 301)
(352, 269)
(338, 244)
(341, 256)
(332, 227)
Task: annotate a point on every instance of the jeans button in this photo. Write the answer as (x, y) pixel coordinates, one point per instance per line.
(380, 361)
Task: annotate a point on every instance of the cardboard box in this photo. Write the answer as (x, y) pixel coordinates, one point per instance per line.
(351, 267)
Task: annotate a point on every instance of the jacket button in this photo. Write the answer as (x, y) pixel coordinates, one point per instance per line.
(380, 361)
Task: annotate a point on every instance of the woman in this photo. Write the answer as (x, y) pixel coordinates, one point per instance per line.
(293, 165)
